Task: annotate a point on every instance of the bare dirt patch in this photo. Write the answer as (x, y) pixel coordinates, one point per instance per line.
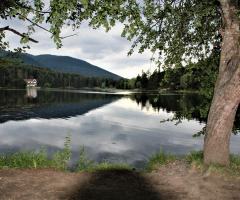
(173, 181)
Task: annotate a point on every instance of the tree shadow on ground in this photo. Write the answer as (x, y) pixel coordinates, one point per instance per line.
(119, 184)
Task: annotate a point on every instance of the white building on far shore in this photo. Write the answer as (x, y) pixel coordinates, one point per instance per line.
(31, 82)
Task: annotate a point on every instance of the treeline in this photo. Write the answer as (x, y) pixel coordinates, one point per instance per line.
(142, 82)
(195, 76)
(14, 75)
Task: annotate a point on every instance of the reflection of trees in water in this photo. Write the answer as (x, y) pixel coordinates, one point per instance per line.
(70, 102)
(15, 100)
(168, 103)
(184, 106)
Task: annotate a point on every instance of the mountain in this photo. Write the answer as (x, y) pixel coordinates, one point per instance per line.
(27, 58)
(66, 64)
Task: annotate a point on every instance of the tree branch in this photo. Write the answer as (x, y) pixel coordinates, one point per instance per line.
(37, 25)
(16, 32)
(48, 30)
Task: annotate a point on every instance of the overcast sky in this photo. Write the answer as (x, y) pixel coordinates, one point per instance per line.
(105, 50)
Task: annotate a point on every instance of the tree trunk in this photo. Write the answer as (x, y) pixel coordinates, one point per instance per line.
(227, 89)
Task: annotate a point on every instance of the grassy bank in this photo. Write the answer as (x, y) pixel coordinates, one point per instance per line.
(33, 87)
(187, 91)
(20, 88)
(28, 159)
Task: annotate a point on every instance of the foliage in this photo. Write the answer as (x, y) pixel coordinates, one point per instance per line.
(180, 31)
(63, 158)
(29, 159)
(203, 77)
(195, 156)
(22, 83)
(82, 164)
(47, 85)
(183, 81)
(155, 80)
(144, 80)
(173, 28)
(132, 83)
(9, 9)
(103, 85)
(23, 159)
(200, 76)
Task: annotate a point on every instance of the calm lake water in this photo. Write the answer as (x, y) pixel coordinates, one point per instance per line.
(114, 126)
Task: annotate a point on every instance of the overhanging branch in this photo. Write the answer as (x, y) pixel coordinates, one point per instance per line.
(16, 32)
(35, 24)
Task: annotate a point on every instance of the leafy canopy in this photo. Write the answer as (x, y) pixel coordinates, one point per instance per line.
(181, 30)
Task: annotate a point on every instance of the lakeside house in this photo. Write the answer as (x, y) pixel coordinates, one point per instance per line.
(31, 82)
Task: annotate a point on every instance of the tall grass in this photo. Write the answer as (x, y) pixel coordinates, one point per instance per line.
(159, 159)
(28, 159)
(195, 159)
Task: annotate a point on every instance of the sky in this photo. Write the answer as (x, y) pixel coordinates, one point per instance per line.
(105, 50)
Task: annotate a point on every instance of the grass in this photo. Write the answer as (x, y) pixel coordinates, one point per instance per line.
(159, 159)
(33, 87)
(28, 159)
(188, 91)
(106, 88)
(195, 159)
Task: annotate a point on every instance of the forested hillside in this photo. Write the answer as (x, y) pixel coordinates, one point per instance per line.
(66, 64)
(27, 58)
(195, 76)
(12, 76)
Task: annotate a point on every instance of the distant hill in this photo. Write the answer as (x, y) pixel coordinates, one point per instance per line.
(28, 59)
(66, 64)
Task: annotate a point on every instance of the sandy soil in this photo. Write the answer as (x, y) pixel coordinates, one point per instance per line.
(173, 181)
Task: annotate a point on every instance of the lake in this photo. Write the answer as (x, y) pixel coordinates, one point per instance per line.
(115, 126)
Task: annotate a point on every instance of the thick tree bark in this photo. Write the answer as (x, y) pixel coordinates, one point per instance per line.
(227, 89)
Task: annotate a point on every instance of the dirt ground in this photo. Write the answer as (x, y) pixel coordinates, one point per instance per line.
(173, 181)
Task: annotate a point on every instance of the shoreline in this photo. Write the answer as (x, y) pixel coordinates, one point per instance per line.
(107, 89)
(27, 159)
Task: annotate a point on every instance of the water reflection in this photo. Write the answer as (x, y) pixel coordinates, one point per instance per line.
(31, 93)
(113, 127)
(50, 104)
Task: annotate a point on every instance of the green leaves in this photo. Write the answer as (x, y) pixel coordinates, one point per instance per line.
(24, 39)
(84, 3)
(180, 31)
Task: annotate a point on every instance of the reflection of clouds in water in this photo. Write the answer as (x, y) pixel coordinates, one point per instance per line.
(34, 121)
(135, 132)
(126, 119)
